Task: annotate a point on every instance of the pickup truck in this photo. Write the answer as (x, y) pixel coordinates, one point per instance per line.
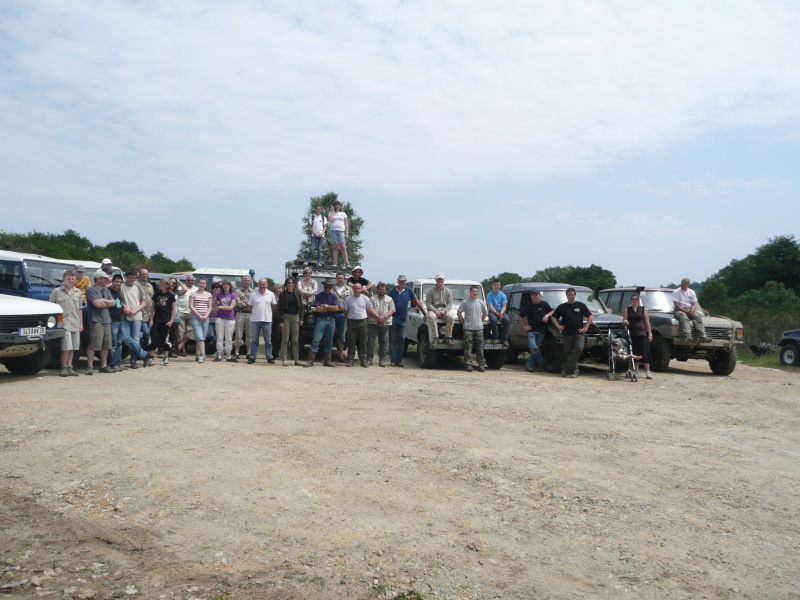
(29, 331)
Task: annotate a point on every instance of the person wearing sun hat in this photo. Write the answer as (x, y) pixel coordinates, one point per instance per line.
(326, 305)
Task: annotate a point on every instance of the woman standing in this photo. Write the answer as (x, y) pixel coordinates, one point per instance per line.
(290, 305)
(165, 307)
(200, 309)
(638, 321)
(339, 227)
(277, 330)
(307, 287)
(225, 303)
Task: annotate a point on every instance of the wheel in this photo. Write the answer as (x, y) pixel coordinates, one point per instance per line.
(494, 358)
(611, 376)
(790, 356)
(31, 364)
(512, 356)
(553, 354)
(660, 350)
(426, 356)
(723, 362)
(634, 377)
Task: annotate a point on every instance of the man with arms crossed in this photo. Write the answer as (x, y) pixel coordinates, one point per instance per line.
(534, 318)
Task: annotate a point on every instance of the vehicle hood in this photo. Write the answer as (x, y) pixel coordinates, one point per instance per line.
(791, 333)
(14, 305)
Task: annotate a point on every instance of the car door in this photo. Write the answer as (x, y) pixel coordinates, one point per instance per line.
(517, 336)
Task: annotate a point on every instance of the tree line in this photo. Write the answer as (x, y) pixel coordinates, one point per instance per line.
(72, 246)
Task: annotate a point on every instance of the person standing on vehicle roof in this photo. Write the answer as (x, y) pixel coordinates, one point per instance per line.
(534, 318)
(403, 296)
(687, 311)
(339, 228)
(317, 226)
(471, 313)
(68, 297)
(571, 314)
(438, 301)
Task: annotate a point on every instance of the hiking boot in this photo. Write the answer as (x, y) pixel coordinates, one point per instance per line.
(381, 363)
(71, 371)
(271, 361)
(284, 363)
(448, 341)
(349, 363)
(399, 363)
(250, 360)
(309, 364)
(468, 367)
(365, 364)
(106, 369)
(89, 371)
(529, 369)
(328, 362)
(134, 366)
(63, 372)
(481, 368)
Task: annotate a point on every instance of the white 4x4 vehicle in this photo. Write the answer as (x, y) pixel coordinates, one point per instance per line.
(417, 327)
(29, 333)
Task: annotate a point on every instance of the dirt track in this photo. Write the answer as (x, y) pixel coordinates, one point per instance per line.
(236, 481)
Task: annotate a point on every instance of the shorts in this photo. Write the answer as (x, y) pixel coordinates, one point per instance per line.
(337, 236)
(99, 336)
(71, 341)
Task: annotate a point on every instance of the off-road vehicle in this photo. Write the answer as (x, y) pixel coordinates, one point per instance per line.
(417, 327)
(790, 348)
(668, 342)
(29, 332)
(596, 348)
(319, 273)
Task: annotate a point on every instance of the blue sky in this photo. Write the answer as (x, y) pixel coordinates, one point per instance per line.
(657, 139)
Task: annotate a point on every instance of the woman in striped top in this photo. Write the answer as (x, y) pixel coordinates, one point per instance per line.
(200, 307)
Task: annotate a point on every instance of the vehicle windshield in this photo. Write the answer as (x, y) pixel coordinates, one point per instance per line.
(556, 297)
(236, 280)
(460, 291)
(660, 301)
(50, 274)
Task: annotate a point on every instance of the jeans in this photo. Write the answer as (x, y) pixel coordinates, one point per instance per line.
(130, 336)
(315, 245)
(493, 327)
(473, 338)
(397, 339)
(382, 333)
(257, 327)
(535, 339)
(144, 340)
(573, 348)
(115, 355)
(323, 330)
(341, 326)
(200, 328)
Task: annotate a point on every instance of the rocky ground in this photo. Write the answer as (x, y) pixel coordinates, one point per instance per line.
(222, 481)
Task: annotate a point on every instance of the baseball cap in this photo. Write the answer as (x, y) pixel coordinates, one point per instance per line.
(100, 273)
(106, 261)
(440, 276)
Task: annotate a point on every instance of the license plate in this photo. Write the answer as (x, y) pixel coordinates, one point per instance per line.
(26, 331)
(494, 347)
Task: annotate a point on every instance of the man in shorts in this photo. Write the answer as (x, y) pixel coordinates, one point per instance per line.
(68, 297)
(98, 301)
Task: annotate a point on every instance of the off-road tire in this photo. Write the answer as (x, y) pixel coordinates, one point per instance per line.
(495, 359)
(553, 354)
(660, 350)
(426, 356)
(29, 365)
(723, 362)
(790, 355)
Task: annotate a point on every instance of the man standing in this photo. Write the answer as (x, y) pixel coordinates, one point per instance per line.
(534, 318)
(572, 330)
(686, 311)
(403, 296)
(132, 306)
(262, 303)
(143, 283)
(326, 305)
(317, 225)
(115, 312)
(99, 300)
(438, 301)
(342, 291)
(242, 333)
(357, 307)
(497, 304)
(471, 313)
(379, 322)
(185, 331)
(68, 297)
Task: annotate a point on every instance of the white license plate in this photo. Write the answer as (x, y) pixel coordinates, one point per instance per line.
(26, 331)
(493, 347)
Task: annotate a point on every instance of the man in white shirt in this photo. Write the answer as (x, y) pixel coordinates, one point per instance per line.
(317, 225)
(687, 311)
(261, 302)
(357, 306)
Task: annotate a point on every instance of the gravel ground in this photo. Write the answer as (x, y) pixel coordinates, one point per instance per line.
(222, 481)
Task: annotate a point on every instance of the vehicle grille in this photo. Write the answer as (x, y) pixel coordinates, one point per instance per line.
(715, 333)
(12, 323)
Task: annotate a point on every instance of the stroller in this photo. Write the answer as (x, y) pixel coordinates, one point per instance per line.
(620, 354)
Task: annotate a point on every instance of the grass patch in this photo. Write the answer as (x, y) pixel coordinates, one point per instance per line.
(769, 361)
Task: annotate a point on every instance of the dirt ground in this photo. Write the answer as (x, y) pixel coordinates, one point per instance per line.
(222, 481)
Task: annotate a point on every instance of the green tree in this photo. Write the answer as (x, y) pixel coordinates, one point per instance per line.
(505, 278)
(68, 245)
(593, 276)
(356, 223)
(158, 263)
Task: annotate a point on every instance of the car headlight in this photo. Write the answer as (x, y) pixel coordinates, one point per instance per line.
(51, 322)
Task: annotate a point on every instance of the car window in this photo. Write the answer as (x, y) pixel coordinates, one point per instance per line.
(514, 302)
(626, 300)
(658, 301)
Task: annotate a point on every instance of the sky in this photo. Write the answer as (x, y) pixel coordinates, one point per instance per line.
(659, 140)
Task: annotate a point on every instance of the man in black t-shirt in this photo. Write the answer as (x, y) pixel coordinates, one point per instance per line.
(115, 356)
(534, 318)
(572, 330)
